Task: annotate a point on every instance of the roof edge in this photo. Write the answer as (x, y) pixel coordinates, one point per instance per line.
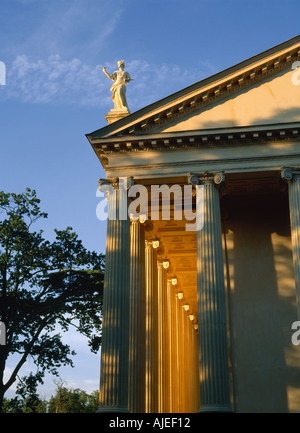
(108, 129)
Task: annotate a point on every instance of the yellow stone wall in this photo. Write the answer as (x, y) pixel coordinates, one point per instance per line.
(262, 304)
(274, 100)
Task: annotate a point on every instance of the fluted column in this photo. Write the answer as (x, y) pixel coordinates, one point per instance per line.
(173, 346)
(186, 354)
(170, 342)
(115, 330)
(213, 349)
(196, 368)
(162, 336)
(137, 319)
(151, 385)
(160, 284)
(292, 175)
(191, 365)
(178, 352)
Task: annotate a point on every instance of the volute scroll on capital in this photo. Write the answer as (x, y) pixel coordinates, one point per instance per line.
(141, 218)
(290, 173)
(173, 281)
(105, 184)
(204, 178)
(165, 264)
(121, 183)
(180, 295)
(154, 244)
(126, 182)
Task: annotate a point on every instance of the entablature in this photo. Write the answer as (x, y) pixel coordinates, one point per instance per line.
(198, 138)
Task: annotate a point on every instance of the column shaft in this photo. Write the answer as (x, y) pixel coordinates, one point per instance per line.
(191, 369)
(177, 350)
(115, 333)
(174, 366)
(186, 350)
(294, 202)
(213, 350)
(151, 385)
(137, 321)
(161, 351)
(181, 356)
(196, 371)
(169, 349)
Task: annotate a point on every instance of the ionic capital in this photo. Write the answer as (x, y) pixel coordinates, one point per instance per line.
(163, 264)
(126, 182)
(154, 244)
(123, 183)
(206, 178)
(172, 281)
(166, 264)
(138, 219)
(290, 173)
(104, 185)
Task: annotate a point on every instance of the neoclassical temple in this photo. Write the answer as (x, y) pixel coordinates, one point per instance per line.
(197, 318)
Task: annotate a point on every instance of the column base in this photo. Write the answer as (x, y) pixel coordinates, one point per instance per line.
(111, 409)
(217, 408)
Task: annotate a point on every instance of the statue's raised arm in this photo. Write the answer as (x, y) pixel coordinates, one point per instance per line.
(106, 73)
(120, 78)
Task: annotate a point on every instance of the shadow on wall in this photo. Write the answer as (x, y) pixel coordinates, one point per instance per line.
(268, 106)
(266, 373)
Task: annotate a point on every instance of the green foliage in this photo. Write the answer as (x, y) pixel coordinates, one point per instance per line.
(44, 284)
(73, 401)
(65, 400)
(27, 400)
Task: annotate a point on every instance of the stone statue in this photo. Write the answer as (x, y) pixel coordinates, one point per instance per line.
(120, 78)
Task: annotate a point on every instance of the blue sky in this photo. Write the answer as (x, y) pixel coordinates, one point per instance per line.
(55, 93)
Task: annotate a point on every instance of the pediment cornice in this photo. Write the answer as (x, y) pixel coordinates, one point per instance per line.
(203, 93)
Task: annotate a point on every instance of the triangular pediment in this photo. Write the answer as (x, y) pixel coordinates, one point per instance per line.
(272, 100)
(262, 90)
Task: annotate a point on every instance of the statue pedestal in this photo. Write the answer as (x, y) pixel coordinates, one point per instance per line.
(116, 114)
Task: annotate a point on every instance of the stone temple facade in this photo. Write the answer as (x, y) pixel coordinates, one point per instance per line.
(198, 317)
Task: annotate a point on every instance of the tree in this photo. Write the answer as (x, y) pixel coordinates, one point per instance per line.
(65, 400)
(72, 401)
(27, 400)
(44, 284)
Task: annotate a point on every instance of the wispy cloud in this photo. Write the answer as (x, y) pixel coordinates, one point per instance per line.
(53, 60)
(56, 80)
(53, 80)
